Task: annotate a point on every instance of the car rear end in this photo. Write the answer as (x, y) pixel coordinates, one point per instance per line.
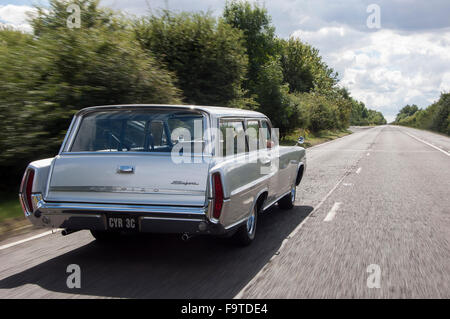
(126, 169)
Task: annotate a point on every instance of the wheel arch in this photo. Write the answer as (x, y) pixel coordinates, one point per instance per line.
(300, 172)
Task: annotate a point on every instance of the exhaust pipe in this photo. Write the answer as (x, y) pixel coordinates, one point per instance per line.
(185, 237)
(66, 232)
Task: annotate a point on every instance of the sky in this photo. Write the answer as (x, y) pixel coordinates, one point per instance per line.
(402, 56)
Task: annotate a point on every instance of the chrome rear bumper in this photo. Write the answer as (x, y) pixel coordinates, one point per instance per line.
(153, 219)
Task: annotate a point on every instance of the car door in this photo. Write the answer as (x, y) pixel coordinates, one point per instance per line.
(268, 157)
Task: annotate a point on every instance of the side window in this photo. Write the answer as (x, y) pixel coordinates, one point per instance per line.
(253, 134)
(266, 138)
(232, 139)
(134, 135)
(158, 134)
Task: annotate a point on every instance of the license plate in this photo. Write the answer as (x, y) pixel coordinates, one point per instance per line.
(124, 223)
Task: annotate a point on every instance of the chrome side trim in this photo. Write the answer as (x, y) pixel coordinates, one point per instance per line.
(236, 223)
(49, 177)
(276, 200)
(250, 185)
(61, 207)
(121, 189)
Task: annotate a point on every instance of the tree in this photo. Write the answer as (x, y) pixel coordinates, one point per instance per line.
(259, 35)
(206, 54)
(66, 70)
(406, 111)
(441, 117)
(296, 60)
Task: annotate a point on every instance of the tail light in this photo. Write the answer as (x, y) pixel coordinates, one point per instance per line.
(26, 188)
(218, 195)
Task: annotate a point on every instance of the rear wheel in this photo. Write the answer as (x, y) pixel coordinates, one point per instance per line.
(104, 236)
(287, 202)
(245, 234)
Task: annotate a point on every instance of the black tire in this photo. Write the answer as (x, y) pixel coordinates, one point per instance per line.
(105, 236)
(245, 234)
(288, 201)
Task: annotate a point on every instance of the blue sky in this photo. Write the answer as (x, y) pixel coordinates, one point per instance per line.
(405, 61)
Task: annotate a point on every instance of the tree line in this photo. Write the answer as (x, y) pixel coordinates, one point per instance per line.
(435, 117)
(234, 60)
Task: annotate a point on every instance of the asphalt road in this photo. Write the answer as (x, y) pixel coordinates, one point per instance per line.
(377, 200)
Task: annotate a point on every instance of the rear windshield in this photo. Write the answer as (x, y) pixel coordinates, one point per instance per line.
(140, 131)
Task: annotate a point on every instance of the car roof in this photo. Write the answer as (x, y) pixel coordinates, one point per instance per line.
(217, 111)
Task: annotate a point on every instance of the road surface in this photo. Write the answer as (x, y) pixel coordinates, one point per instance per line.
(373, 210)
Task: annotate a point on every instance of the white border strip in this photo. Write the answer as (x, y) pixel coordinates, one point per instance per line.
(332, 212)
(342, 137)
(292, 234)
(429, 144)
(29, 239)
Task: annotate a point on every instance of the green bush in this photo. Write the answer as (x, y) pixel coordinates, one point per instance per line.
(235, 60)
(47, 77)
(207, 55)
(435, 117)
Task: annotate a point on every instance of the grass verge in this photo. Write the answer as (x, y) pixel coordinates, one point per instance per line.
(11, 215)
(311, 138)
(9, 207)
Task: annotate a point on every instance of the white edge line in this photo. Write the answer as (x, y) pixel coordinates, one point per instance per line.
(332, 212)
(429, 144)
(341, 138)
(359, 170)
(292, 234)
(29, 239)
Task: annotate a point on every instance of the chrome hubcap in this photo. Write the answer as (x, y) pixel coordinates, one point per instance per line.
(251, 223)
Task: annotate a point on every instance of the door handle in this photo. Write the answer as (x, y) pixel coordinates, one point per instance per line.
(125, 169)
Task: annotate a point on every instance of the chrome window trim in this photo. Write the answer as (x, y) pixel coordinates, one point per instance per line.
(74, 131)
(131, 153)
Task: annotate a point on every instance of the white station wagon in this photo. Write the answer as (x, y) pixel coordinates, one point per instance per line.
(163, 169)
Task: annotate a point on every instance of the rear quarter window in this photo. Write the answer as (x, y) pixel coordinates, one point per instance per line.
(139, 131)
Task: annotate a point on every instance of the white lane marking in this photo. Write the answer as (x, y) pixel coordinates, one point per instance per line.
(429, 144)
(299, 226)
(332, 212)
(359, 170)
(347, 184)
(29, 239)
(292, 234)
(341, 138)
(368, 154)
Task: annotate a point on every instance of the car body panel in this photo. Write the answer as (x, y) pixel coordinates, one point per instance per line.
(77, 190)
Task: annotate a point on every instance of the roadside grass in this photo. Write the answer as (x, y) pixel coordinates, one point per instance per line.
(12, 220)
(9, 207)
(311, 138)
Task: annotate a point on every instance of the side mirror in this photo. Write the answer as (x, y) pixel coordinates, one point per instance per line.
(301, 140)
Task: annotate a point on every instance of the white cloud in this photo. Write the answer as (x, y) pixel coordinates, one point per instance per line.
(16, 16)
(388, 68)
(407, 61)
